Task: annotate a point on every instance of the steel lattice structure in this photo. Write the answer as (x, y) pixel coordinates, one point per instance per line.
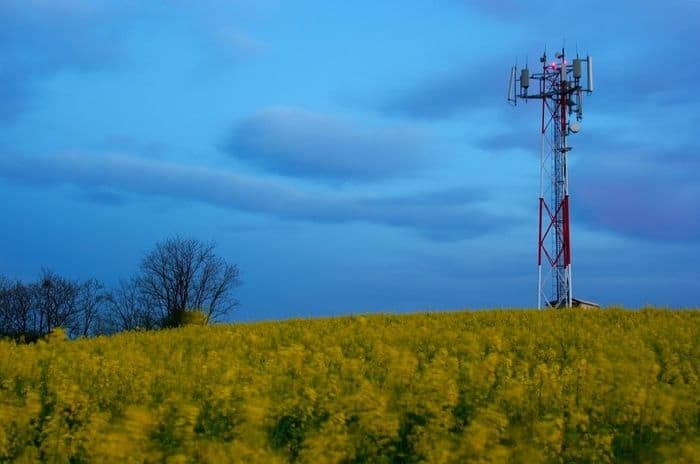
(561, 93)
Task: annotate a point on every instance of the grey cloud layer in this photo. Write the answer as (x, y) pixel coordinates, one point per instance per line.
(661, 68)
(465, 88)
(631, 188)
(39, 39)
(654, 197)
(312, 145)
(443, 215)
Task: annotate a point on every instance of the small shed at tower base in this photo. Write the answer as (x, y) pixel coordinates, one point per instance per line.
(583, 304)
(576, 303)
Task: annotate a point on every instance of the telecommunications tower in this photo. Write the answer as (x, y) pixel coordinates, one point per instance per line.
(561, 92)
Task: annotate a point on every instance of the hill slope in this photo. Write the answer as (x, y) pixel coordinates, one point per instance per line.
(492, 386)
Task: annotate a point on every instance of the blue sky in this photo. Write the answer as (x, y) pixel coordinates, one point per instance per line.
(348, 156)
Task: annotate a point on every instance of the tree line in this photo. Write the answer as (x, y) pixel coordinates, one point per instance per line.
(179, 277)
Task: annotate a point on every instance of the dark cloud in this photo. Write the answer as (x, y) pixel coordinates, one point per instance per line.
(624, 184)
(649, 199)
(450, 214)
(525, 135)
(660, 69)
(511, 139)
(40, 39)
(445, 197)
(451, 220)
(312, 145)
(462, 89)
(434, 98)
(650, 80)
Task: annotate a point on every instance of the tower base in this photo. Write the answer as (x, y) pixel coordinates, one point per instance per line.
(575, 303)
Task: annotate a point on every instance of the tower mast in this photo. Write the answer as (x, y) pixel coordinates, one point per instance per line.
(561, 93)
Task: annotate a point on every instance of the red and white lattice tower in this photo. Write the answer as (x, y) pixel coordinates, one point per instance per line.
(561, 93)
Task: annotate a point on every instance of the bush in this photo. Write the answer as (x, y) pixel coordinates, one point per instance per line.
(196, 317)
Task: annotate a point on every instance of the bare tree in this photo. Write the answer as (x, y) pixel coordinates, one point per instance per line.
(55, 301)
(30, 311)
(18, 305)
(5, 314)
(7, 311)
(90, 301)
(128, 309)
(183, 274)
(20, 316)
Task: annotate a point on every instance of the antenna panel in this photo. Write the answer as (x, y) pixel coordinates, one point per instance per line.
(511, 87)
(525, 78)
(577, 68)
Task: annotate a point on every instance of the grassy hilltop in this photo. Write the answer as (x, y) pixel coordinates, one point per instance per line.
(495, 386)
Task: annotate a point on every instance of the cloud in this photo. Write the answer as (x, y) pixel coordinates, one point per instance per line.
(522, 138)
(593, 141)
(636, 185)
(653, 197)
(462, 89)
(314, 145)
(450, 214)
(41, 38)
(660, 69)
(632, 184)
(447, 196)
(456, 218)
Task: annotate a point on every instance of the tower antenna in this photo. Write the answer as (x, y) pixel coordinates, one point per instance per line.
(561, 92)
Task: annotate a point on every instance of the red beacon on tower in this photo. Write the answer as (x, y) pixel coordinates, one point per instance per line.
(560, 88)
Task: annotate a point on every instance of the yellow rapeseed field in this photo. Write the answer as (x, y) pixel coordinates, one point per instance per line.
(516, 386)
